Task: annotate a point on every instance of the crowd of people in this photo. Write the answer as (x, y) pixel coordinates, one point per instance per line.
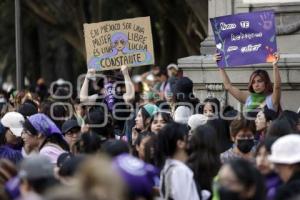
(126, 137)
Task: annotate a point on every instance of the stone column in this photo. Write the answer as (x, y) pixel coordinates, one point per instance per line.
(204, 72)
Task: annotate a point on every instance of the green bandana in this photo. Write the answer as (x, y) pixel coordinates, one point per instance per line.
(256, 101)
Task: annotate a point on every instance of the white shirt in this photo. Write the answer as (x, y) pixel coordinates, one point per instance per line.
(182, 184)
(25, 155)
(52, 151)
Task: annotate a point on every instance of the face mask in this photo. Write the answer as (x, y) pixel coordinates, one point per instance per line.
(226, 194)
(245, 146)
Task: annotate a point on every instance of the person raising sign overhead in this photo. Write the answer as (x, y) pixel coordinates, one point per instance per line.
(261, 92)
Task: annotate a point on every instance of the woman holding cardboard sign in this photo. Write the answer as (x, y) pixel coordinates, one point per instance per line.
(91, 75)
(114, 95)
(260, 90)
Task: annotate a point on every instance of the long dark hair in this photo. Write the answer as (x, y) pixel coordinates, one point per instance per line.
(222, 133)
(139, 139)
(55, 138)
(19, 141)
(165, 116)
(145, 117)
(167, 140)
(249, 177)
(204, 157)
(2, 135)
(265, 77)
(150, 151)
(215, 105)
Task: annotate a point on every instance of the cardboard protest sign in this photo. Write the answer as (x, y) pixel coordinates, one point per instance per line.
(111, 44)
(247, 38)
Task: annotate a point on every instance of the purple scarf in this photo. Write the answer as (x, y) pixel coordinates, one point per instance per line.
(43, 124)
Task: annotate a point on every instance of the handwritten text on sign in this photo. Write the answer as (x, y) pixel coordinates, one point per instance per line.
(247, 38)
(112, 44)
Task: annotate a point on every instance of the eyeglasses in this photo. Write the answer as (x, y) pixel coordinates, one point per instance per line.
(72, 132)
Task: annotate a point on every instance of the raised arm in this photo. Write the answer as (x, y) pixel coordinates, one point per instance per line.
(129, 94)
(277, 83)
(83, 95)
(241, 96)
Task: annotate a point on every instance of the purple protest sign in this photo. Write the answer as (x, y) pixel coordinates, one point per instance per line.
(109, 97)
(246, 38)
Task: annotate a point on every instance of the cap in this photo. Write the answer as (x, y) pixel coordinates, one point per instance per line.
(69, 124)
(151, 109)
(14, 121)
(27, 109)
(70, 165)
(138, 175)
(62, 158)
(197, 120)
(172, 66)
(286, 150)
(43, 124)
(36, 167)
(182, 114)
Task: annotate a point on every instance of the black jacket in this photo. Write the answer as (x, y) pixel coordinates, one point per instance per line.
(289, 190)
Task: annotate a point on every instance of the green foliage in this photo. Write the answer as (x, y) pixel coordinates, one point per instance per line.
(7, 45)
(53, 38)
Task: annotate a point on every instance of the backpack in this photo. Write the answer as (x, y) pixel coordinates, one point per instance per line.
(166, 183)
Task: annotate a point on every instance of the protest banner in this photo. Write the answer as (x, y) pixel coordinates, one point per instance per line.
(246, 38)
(111, 44)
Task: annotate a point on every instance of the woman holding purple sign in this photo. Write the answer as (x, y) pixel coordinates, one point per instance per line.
(261, 92)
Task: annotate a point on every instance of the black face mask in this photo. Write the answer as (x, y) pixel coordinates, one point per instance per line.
(226, 194)
(245, 145)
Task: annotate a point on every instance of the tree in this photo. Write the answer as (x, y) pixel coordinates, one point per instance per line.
(54, 30)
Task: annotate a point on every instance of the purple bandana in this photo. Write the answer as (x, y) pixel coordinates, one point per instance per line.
(43, 124)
